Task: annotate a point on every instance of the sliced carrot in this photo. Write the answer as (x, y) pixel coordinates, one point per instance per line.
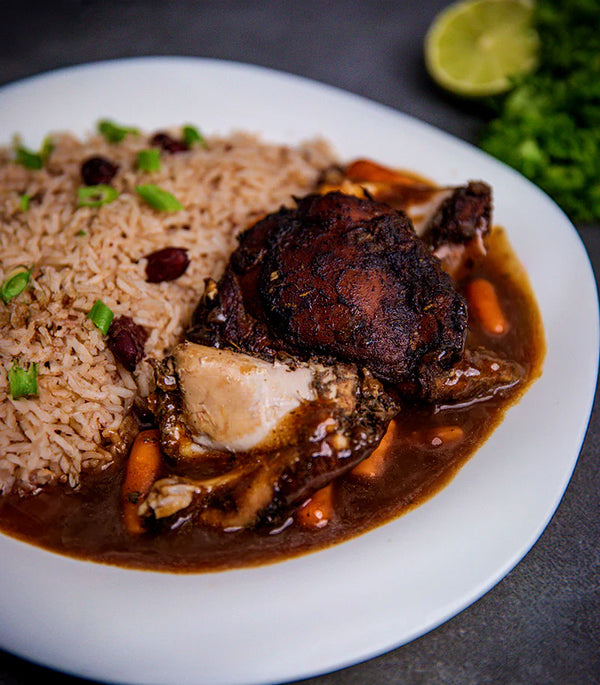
(374, 465)
(441, 435)
(142, 470)
(366, 170)
(318, 510)
(484, 302)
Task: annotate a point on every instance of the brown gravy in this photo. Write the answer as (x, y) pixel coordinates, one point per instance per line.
(87, 524)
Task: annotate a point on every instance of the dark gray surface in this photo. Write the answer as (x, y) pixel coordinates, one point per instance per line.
(541, 624)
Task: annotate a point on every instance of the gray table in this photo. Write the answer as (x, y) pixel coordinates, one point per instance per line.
(541, 624)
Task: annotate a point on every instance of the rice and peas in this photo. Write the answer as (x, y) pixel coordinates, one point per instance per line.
(76, 254)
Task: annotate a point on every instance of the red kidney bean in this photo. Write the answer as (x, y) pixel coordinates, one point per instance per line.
(166, 264)
(126, 340)
(97, 171)
(168, 143)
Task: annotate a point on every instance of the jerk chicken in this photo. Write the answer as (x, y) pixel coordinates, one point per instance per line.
(328, 317)
(341, 277)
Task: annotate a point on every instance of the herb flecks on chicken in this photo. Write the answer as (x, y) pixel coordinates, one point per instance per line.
(341, 277)
(249, 439)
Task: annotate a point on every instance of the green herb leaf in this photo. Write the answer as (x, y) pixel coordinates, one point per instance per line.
(191, 136)
(14, 283)
(114, 132)
(101, 316)
(24, 202)
(148, 160)
(548, 127)
(46, 149)
(158, 198)
(28, 159)
(96, 196)
(22, 382)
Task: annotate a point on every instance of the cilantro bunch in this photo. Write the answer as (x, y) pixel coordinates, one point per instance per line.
(548, 127)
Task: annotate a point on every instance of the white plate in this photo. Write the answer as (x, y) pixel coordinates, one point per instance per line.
(361, 598)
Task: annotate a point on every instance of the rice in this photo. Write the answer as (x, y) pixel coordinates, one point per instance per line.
(79, 255)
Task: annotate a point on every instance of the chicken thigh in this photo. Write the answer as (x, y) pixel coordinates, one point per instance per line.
(340, 277)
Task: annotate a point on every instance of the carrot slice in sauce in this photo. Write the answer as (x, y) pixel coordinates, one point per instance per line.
(142, 470)
(318, 510)
(483, 300)
(374, 465)
(366, 170)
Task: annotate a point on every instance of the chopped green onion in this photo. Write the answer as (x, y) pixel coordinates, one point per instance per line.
(46, 149)
(192, 135)
(24, 202)
(14, 283)
(113, 132)
(28, 159)
(101, 316)
(96, 196)
(80, 232)
(158, 198)
(22, 382)
(148, 160)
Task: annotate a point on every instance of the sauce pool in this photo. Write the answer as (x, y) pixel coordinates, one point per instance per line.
(420, 460)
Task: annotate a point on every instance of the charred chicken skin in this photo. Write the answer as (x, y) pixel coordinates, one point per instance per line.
(340, 277)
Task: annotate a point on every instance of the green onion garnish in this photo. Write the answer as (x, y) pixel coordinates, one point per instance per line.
(46, 149)
(22, 382)
(14, 283)
(192, 135)
(158, 198)
(95, 196)
(148, 160)
(113, 132)
(24, 202)
(28, 159)
(101, 316)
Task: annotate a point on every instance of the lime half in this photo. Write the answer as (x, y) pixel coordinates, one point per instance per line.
(475, 47)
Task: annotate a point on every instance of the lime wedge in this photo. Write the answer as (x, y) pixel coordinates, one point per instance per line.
(475, 47)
